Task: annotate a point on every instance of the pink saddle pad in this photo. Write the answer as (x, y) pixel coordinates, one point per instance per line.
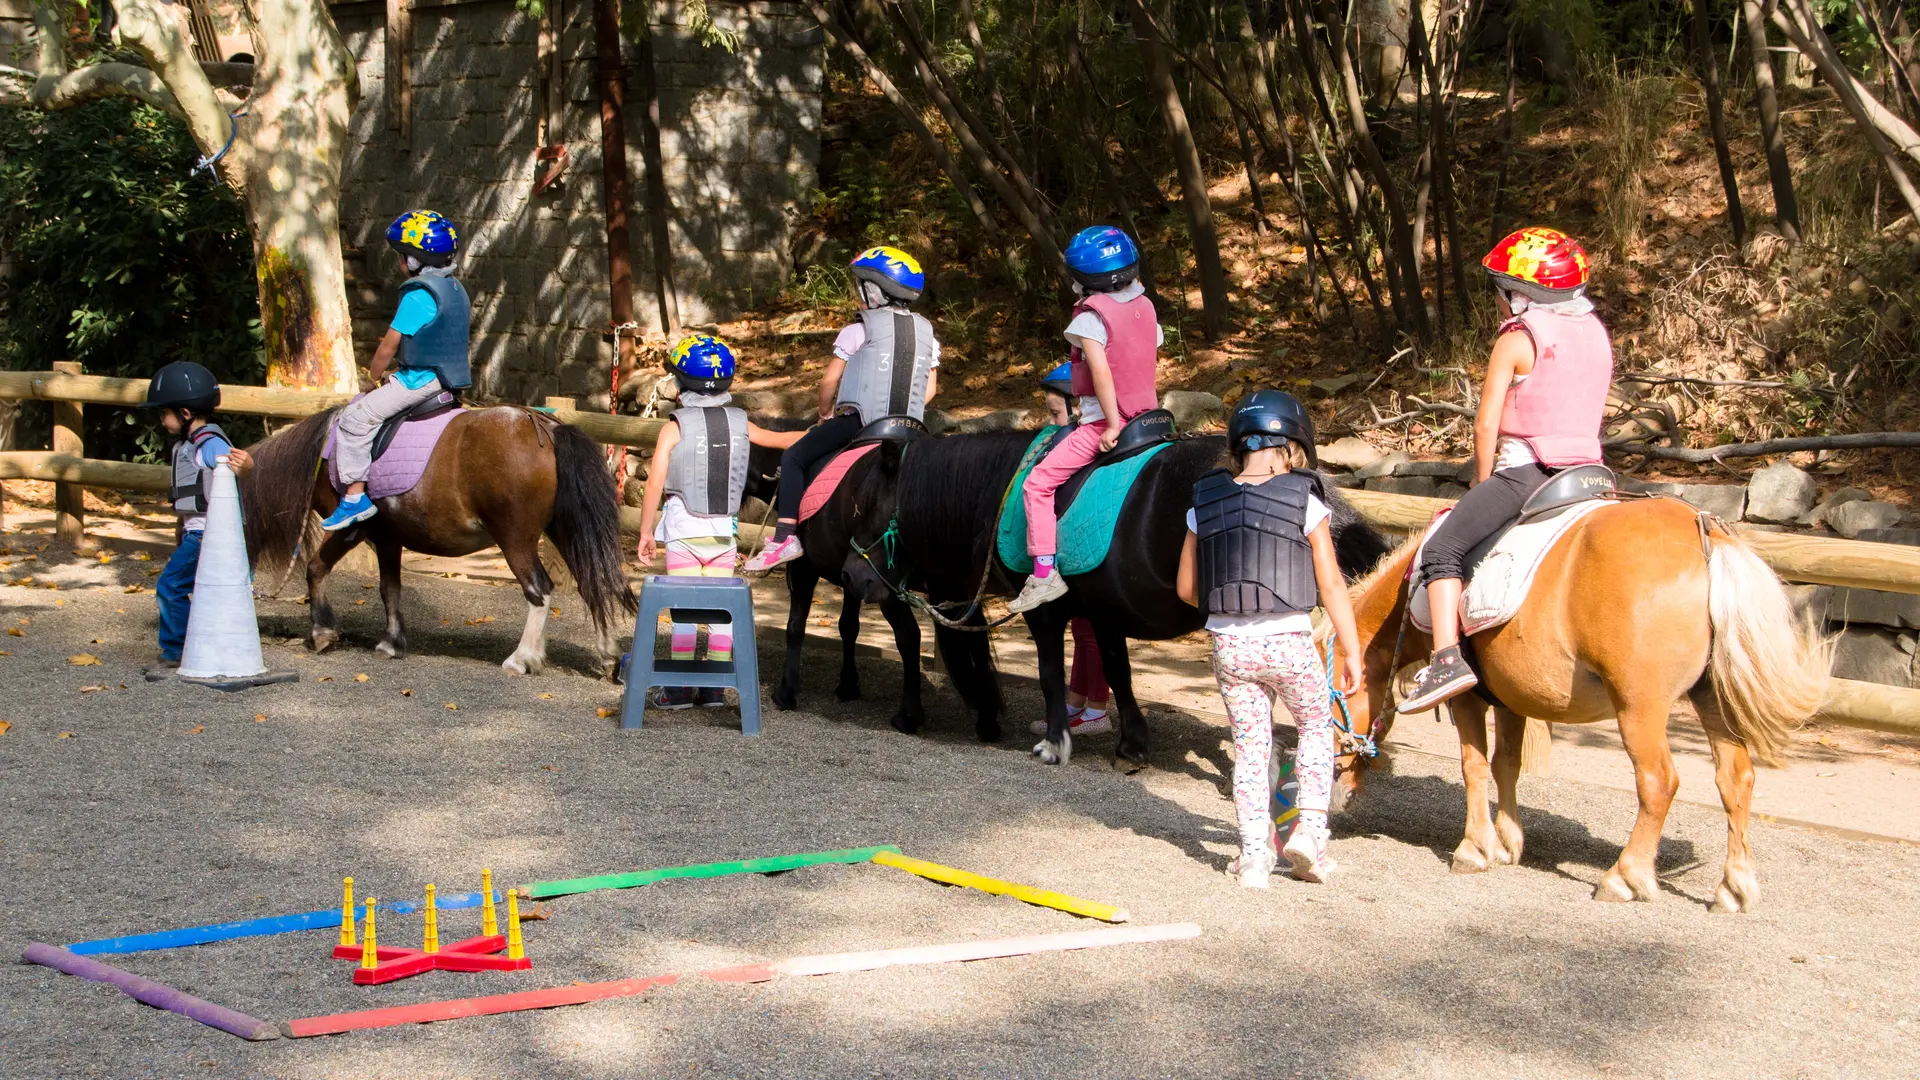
(828, 480)
(406, 458)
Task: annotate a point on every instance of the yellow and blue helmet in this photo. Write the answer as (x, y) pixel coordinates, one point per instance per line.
(424, 235)
(897, 273)
(702, 364)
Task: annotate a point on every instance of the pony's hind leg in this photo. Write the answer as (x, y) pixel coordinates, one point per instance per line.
(1510, 731)
(395, 643)
(531, 654)
(1130, 750)
(319, 565)
(849, 687)
(1643, 729)
(1733, 772)
(1480, 848)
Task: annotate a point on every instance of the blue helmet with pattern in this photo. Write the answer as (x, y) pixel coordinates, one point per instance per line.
(895, 272)
(425, 236)
(1103, 258)
(1270, 419)
(1059, 381)
(702, 364)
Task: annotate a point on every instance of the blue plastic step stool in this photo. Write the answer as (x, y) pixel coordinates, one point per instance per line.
(694, 600)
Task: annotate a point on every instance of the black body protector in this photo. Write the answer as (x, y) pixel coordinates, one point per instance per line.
(1254, 554)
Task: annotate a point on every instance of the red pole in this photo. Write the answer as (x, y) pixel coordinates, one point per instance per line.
(613, 156)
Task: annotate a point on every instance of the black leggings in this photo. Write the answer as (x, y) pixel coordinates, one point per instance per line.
(1479, 514)
(822, 439)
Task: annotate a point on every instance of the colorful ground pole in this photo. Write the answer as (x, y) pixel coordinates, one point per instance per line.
(541, 890)
(1025, 893)
(148, 992)
(430, 1011)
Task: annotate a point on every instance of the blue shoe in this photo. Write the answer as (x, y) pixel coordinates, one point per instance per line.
(351, 511)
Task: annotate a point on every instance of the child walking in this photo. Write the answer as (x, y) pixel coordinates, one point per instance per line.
(1540, 411)
(1258, 558)
(693, 491)
(887, 364)
(1087, 690)
(1116, 337)
(187, 394)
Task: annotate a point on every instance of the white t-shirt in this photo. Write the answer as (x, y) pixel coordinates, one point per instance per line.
(1270, 624)
(854, 336)
(1087, 326)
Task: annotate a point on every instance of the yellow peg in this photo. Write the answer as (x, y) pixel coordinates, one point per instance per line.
(369, 950)
(432, 942)
(346, 916)
(489, 922)
(515, 948)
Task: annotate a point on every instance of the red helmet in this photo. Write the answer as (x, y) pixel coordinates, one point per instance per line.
(1541, 263)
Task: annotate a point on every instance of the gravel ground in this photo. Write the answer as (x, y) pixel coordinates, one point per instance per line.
(169, 805)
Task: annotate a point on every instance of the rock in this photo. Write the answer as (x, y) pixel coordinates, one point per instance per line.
(1779, 494)
(1909, 537)
(1856, 607)
(1383, 466)
(1404, 485)
(1724, 501)
(1445, 470)
(998, 420)
(1450, 491)
(1336, 384)
(1876, 656)
(793, 404)
(1340, 479)
(1809, 601)
(1351, 452)
(1844, 495)
(1853, 518)
(1194, 409)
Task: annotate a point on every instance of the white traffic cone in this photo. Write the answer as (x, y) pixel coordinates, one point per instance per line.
(223, 634)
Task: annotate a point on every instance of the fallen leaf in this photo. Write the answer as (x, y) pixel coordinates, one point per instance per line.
(196, 729)
(21, 581)
(259, 718)
(446, 622)
(546, 768)
(358, 603)
(84, 660)
(59, 603)
(51, 586)
(119, 611)
(143, 556)
(369, 585)
(481, 621)
(105, 557)
(406, 693)
(603, 712)
(5, 727)
(133, 590)
(555, 613)
(94, 689)
(23, 621)
(14, 631)
(324, 678)
(64, 735)
(451, 707)
(362, 677)
(155, 572)
(1826, 740)
(5, 652)
(544, 697)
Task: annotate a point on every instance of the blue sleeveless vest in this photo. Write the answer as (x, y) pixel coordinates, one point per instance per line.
(441, 345)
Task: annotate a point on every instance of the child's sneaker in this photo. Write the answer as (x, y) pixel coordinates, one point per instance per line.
(673, 697)
(1039, 590)
(711, 697)
(1309, 858)
(775, 554)
(1253, 870)
(352, 510)
(1080, 722)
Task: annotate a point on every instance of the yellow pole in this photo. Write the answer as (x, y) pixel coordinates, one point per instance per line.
(1025, 893)
(369, 951)
(346, 915)
(489, 922)
(431, 944)
(515, 948)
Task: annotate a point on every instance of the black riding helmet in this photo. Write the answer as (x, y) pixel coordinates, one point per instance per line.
(1269, 418)
(183, 384)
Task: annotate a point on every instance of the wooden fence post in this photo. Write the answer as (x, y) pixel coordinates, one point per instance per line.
(69, 437)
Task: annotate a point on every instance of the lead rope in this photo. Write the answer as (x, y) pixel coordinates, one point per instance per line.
(1343, 719)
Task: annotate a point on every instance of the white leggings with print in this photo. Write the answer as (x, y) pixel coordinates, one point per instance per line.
(1252, 671)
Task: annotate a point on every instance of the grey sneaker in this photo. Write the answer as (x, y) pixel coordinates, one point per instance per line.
(1446, 677)
(672, 697)
(1039, 590)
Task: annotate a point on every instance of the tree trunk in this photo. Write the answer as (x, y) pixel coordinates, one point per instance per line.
(1803, 29)
(1717, 121)
(610, 73)
(659, 209)
(1193, 179)
(1786, 211)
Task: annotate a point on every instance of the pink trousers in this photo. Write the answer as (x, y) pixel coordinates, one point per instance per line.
(1078, 449)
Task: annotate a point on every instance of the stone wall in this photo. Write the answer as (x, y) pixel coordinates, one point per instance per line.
(740, 144)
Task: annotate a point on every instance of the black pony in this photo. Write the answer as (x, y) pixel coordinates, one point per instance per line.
(942, 499)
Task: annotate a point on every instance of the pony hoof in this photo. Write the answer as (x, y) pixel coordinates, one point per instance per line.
(847, 691)
(324, 640)
(1734, 900)
(522, 665)
(987, 731)
(907, 723)
(1615, 889)
(390, 650)
(1469, 861)
(1045, 752)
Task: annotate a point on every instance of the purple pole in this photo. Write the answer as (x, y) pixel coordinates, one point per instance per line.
(148, 992)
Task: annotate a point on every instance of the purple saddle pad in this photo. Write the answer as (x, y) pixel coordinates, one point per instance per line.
(397, 470)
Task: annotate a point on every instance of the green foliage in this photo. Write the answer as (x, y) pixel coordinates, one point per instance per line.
(114, 256)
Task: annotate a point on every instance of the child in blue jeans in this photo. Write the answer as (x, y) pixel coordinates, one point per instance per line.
(187, 394)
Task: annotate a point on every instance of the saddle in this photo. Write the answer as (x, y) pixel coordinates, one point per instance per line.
(895, 429)
(411, 436)
(1151, 428)
(824, 478)
(433, 406)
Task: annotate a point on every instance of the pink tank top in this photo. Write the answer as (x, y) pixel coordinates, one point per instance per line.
(1132, 346)
(1558, 409)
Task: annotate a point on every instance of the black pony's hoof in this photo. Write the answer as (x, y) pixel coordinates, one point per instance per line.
(907, 723)
(785, 699)
(848, 690)
(1130, 763)
(987, 731)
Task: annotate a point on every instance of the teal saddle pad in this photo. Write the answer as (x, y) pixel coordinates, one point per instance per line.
(1086, 532)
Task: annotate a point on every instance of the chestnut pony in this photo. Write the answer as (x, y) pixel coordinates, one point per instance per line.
(503, 475)
(1642, 602)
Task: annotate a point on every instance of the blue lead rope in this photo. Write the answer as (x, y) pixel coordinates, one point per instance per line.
(1343, 719)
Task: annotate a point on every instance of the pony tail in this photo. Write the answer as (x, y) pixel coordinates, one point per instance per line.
(278, 491)
(586, 525)
(1769, 668)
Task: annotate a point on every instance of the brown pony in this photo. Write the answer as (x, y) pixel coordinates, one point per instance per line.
(498, 476)
(1641, 602)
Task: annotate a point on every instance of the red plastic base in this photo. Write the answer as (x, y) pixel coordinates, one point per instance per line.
(395, 963)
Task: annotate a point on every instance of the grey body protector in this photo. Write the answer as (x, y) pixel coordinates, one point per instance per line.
(1254, 558)
(188, 493)
(708, 466)
(441, 345)
(888, 375)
